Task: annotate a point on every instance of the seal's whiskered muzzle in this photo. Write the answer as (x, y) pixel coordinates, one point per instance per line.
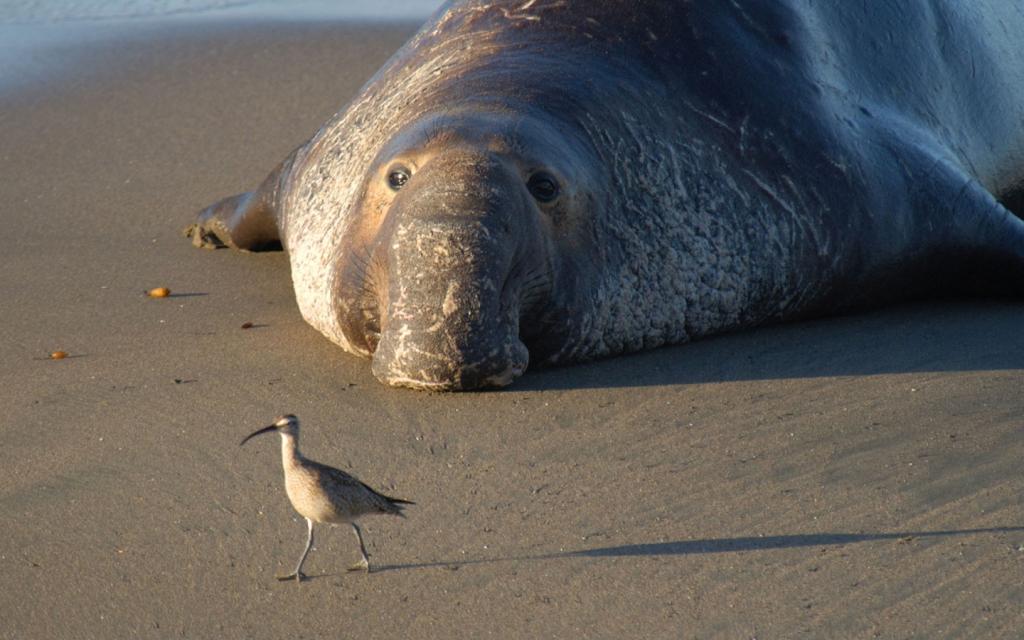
(443, 309)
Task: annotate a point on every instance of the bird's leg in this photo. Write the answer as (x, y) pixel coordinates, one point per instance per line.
(364, 563)
(297, 575)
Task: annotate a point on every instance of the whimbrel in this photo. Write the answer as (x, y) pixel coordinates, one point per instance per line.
(325, 494)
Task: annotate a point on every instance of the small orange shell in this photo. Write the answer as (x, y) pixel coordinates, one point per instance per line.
(159, 292)
(58, 355)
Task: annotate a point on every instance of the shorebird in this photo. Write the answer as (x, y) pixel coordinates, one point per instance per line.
(325, 494)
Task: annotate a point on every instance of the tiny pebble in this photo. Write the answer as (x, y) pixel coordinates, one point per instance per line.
(159, 292)
(58, 355)
(247, 325)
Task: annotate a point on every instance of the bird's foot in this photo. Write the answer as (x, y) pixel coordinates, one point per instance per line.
(297, 577)
(362, 565)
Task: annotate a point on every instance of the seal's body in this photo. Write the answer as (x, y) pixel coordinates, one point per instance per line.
(558, 180)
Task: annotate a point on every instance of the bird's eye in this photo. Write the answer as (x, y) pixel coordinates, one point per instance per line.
(397, 178)
(543, 187)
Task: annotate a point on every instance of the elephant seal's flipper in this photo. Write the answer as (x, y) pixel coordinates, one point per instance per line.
(983, 249)
(248, 221)
(965, 241)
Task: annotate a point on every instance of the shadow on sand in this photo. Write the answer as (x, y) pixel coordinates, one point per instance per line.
(710, 545)
(944, 335)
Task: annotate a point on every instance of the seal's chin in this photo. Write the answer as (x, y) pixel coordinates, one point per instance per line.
(443, 372)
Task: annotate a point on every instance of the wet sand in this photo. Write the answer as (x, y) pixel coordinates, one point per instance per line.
(851, 477)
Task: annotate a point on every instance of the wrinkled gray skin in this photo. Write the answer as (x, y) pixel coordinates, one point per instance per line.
(717, 168)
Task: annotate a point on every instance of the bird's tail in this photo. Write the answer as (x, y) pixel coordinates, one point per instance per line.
(398, 505)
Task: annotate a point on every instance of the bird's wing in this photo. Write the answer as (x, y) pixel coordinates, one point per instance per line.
(339, 483)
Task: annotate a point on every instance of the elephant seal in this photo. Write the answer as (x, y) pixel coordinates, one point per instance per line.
(552, 181)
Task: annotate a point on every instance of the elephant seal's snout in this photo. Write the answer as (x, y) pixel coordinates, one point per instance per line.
(457, 238)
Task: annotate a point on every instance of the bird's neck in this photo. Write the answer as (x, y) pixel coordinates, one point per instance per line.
(290, 450)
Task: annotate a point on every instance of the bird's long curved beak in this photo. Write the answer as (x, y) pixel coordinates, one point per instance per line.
(256, 433)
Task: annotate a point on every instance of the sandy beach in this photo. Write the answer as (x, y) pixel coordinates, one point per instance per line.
(852, 477)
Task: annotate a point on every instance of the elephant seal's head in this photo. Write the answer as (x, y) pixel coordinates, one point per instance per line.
(469, 251)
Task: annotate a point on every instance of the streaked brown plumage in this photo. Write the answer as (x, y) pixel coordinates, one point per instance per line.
(324, 494)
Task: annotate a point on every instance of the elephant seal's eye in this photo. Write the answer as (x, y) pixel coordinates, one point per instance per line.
(543, 187)
(397, 178)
